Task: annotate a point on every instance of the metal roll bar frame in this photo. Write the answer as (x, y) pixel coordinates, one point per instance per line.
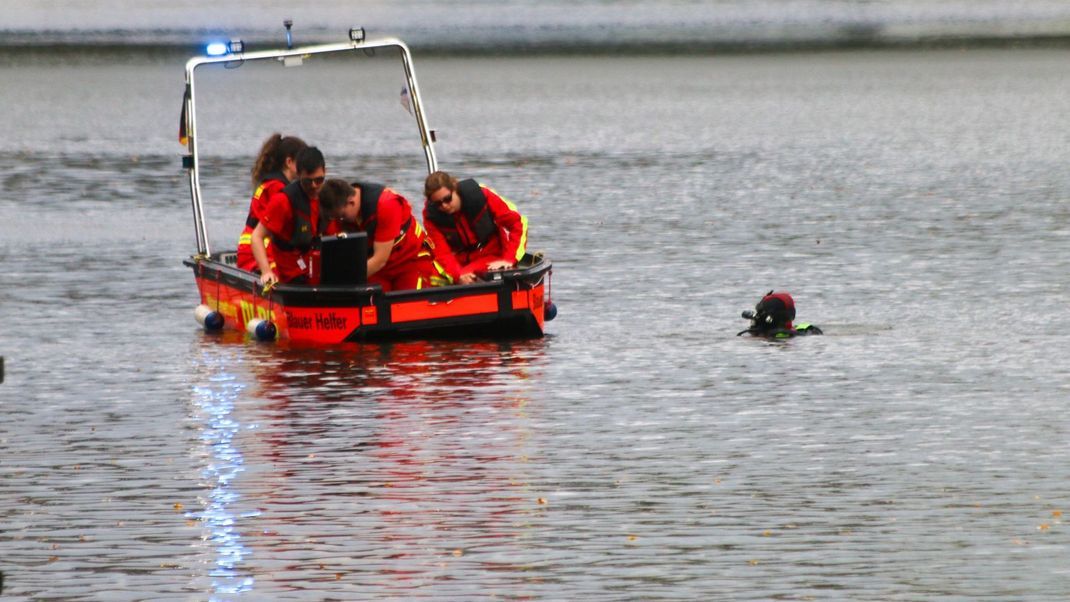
(191, 161)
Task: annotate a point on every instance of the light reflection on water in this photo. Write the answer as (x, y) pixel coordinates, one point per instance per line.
(378, 467)
(213, 405)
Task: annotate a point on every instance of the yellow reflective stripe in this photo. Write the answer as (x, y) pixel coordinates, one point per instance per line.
(247, 239)
(523, 238)
(443, 277)
(416, 232)
(259, 191)
(522, 247)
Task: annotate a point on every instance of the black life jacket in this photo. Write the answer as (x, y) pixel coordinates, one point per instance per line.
(251, 220)
(301, 206)
(474, 206)
(369, 205)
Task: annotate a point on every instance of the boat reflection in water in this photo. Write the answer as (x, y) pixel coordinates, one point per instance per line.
(376, 467)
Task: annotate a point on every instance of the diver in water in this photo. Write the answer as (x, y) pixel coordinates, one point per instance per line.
(772, 318)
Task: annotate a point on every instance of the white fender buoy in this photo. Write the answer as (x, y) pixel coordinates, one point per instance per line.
(210, 319)
(262, 330)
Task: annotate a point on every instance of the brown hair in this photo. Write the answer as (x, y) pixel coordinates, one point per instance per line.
(334, 195)
(274, 153)
(438, 180)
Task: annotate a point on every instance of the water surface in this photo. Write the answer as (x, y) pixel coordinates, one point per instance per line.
(914, 203)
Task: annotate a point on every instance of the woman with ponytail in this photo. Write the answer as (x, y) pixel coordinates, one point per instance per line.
(273, 170)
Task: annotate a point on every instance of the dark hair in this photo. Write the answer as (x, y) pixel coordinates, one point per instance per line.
(273, 155)
(334, 194)
(309, 160)
(437, 180)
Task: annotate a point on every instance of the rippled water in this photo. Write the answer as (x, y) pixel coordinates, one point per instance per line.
(915, 203)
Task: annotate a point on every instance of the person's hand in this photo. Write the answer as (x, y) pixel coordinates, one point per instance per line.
(468, 278)
(268, 278)
(500, 264)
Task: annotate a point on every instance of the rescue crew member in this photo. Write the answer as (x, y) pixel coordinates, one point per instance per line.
(473, 228)
(275, 167)
(292, 219)
(400, 256)
(772, 318)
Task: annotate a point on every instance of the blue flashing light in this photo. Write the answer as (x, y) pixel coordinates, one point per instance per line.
(217, 49)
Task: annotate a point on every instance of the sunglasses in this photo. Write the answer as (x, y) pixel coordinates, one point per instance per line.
(317, 181)
(442, 201)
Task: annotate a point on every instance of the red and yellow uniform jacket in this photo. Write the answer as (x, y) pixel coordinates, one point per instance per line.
(387, 216)
(271, 183)
(487, 228)
(293, 220)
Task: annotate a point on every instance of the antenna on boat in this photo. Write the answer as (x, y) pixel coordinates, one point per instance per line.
(290, 61)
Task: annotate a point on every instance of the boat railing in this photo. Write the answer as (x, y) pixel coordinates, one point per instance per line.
(530, 270)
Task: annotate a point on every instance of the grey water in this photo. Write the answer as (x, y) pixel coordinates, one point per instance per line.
(913, 202)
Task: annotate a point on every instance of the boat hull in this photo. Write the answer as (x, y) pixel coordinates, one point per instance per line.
(511, 305)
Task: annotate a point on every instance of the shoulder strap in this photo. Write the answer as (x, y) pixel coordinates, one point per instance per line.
(474, 206)
(301, 207)
(369, 198)
(472, 199)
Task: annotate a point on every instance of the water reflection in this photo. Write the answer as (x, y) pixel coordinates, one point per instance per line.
(378, 466)
(214, 408)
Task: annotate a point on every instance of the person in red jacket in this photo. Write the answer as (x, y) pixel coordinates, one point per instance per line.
(292, 219)
(400, 256)
(473, 228)
(274, 168)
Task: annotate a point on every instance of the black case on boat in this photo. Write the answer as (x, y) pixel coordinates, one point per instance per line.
(344, 259)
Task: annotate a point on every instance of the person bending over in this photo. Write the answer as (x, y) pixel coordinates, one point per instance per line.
(400, 256)
(473, 228)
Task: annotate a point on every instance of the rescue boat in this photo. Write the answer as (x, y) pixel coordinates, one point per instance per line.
(341, 306)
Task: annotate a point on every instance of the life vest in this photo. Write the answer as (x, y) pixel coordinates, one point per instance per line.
(251, 220)
(804, 328)
(787, 333)
(474, 207)
(369, 206)
(301, 207)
